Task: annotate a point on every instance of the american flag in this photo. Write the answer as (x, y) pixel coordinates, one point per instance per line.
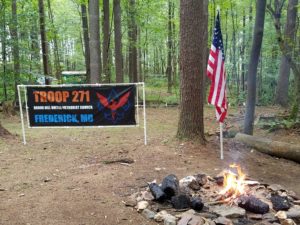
(216, 73)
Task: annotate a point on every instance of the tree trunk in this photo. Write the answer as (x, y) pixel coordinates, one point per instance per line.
(105, 48)
(85, 29)
(169, 47)
(284, 71)
(118, 42)
(55, 45)
(252, 68)
(132, 38)
(274, 148)
(35, 57)
(193, 39)
(94, 42)
(243, 47)
(15, 46)
(3, 44)
(44, 42)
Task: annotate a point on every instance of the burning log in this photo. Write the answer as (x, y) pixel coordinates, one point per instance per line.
(273, 148)
(253, 204)
(170, 185)
(157, 192)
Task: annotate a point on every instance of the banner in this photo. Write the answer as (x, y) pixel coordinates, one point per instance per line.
(81, 105)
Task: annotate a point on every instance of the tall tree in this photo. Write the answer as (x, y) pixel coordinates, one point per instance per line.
(287, 48)
(253, 64)
(132, 39)
(193, 39)
(118, 41)
(44, 42)
(106, 42)
(55, 44)
(85, 28)
(284, 71)
(94, 42)
(169, 46)
(15, 47)
(3, 44)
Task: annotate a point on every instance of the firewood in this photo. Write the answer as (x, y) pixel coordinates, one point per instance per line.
(170, 185)
(253, 204)
(157, 192)
(270, 147)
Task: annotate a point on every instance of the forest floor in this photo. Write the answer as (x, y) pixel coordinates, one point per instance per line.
(60, 176)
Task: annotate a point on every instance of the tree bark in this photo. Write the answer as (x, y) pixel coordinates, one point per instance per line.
(15, 46)
(252, 68)
(105, 48)
(284, 71)
(169, 47)
(3, 44)
(193, 39)
(118, 42)
(94, 42)
(270, 147)
(85, 29)
(44, 42)
(132, 38)
(55, 45)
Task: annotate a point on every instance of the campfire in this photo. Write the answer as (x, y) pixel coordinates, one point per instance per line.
(234, 184)
(229, 198)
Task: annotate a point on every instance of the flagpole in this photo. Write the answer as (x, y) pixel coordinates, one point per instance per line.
(221, 140)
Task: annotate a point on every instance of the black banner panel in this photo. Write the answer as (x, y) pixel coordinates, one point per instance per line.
(81, 106)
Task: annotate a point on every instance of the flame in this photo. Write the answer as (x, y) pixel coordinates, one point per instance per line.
(233, 183)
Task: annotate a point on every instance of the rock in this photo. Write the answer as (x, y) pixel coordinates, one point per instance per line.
(148, 214)
(287, 222)
(254, 216)
(185, 219)
(142, 205)
(275, 187)
(294, 212)
(159, 217)
(185, 182)
(263, 223)
(253, 204)
(281, 215)
(197, 204)
(181, 201)
(223, 221)
(169, 220)
(280, 203)
(130, 203)
(147, 196)
(269, 217)
(194, 185)
(201, 179)
(197, 220)
(228, 211)
(157, 192)
(170, 185)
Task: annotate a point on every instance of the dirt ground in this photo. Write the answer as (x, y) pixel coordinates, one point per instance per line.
(59, 177)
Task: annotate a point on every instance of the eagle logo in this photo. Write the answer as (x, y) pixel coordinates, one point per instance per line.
(114, 105)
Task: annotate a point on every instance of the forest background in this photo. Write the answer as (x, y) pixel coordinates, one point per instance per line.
(139, 41)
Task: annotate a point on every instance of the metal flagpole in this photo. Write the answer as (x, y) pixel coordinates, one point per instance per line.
(221, 140)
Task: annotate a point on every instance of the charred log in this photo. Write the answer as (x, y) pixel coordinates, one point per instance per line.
(181, 201)
(197, 204)
(280, 203)
(157, 192)
(170, 185)
(253, 204)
